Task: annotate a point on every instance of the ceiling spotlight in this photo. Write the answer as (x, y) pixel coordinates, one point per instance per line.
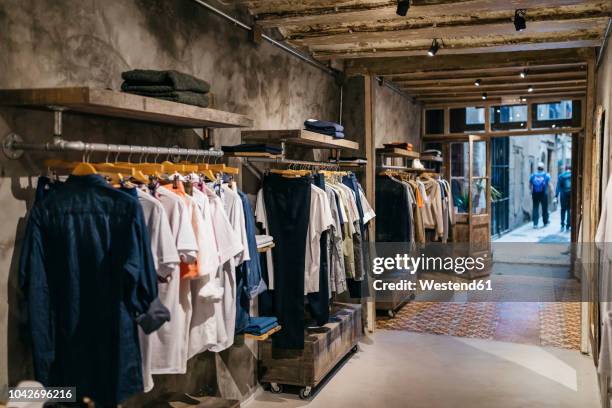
(523, 99)
(484, 96)
(434, 48)
(477, 82)
(530, 88)
(523, 73)
(402, 7)
(519, 19)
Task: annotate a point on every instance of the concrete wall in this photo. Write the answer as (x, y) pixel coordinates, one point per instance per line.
(396, 118)
(47, 43)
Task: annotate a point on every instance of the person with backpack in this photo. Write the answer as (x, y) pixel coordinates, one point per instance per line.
(540, 184)
(563, 193)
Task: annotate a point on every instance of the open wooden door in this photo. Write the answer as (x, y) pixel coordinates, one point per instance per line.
(468, 169)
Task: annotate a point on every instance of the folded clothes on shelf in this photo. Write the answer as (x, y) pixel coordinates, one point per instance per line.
(253, 148)
(325, 128)
(432, 152)
(398, 145)
(263, 240)
(357, 160)
(162, 81)
(260, 325)
(167, 85)
(186, 97)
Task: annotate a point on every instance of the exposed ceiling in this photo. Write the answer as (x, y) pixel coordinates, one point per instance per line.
(477, 38)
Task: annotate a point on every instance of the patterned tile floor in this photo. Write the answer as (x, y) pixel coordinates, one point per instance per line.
(553, 324)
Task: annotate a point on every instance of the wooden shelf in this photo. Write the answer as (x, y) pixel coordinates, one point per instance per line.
(395, 152)
(299, 136)
(115, 104)
(264, 336)
(266, 248)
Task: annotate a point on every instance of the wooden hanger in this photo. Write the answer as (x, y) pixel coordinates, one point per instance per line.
(84, 169)
(291, 173)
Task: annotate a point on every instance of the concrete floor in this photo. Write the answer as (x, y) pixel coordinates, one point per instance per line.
(403, 369)
(549, 234)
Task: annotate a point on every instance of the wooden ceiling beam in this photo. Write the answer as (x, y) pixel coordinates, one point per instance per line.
(490, 79)
(489, 45)
(373, 35)
(395, 66)
(441, 98)
(544, 98)
(518, 84)
(484, 72)
(434, 73)
(500, 91)
(284, 13)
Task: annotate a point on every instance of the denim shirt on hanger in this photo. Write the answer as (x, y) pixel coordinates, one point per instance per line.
(87, 272)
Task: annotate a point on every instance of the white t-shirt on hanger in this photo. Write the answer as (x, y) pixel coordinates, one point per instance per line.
(166, 260)
(230, 247)
(320, 220)
(235, 213)
(169, 344)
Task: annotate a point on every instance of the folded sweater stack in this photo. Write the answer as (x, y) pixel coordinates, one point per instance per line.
(168, 85)
(325, 128)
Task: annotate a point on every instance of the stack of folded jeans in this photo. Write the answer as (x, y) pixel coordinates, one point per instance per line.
(260, 325)
(325, 128)
(169, 85)
(253, 148)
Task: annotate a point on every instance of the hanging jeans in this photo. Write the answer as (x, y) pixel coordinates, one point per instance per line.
(565, 199)
(540, 199)
(319, 301)
(287, 202)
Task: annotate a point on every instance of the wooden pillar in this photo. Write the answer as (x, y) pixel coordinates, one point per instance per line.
(590, 200)
(370, 175)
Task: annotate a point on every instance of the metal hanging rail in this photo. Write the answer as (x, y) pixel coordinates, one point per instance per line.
(13, 147)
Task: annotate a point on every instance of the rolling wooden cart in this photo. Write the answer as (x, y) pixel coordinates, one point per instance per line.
(324, 348)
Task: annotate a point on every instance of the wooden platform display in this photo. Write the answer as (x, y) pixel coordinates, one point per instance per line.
(299, 136)
(324, 348)
(123, 105)
(395, 152)
(264, 336)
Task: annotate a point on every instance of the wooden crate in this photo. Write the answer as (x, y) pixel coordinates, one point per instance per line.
(324, 348)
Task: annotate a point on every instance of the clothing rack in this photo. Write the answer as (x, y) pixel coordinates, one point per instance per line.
(14, 147)
(281, 160)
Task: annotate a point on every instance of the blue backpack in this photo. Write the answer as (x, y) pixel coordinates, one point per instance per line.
(539, 182)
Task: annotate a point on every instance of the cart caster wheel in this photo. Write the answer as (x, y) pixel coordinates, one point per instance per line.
(391, 313)
(305, 393)
(276, 388)
(355, 349)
